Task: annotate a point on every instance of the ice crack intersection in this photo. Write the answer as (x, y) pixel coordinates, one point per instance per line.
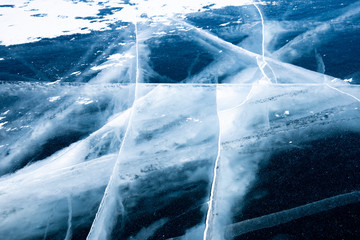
(262, 62)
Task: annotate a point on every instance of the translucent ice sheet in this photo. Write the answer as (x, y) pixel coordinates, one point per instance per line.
(148, 120)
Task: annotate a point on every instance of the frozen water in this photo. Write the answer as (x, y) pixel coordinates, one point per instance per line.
(185, 120)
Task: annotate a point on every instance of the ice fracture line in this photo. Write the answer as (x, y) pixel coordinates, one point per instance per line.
(69, 229)
(96, 231)
(264, 63)
(345, 93)
(210, 212)
(234, 48)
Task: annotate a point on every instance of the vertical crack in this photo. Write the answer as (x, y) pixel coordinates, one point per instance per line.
(210, 213)
(263, 63)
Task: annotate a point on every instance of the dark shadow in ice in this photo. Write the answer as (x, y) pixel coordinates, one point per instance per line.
(294, 10)
(62, 135)
(41, 119)
(72, 56)
(86, 205)
(303, 174)
(347, 65)
(179, 199)
(339, 222)
(323, 34)
(176, 58)
(232, 24)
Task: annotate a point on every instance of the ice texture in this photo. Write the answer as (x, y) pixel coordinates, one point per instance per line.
(201, 120)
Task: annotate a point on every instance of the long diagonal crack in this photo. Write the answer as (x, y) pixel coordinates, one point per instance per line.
(108, 202)
(247, 55)
(345, 93)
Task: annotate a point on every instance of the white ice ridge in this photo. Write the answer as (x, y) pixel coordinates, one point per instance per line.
(285, 216)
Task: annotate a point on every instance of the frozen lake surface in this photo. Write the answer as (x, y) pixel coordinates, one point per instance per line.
(179, 120)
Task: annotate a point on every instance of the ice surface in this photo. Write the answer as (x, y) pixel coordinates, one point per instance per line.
(281, 121)
(187, 120)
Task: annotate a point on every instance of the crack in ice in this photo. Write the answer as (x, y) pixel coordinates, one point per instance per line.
(69, 229)
(251, 56)
(345, 93)
(96, 231)
(264, 63)
(210, 213)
